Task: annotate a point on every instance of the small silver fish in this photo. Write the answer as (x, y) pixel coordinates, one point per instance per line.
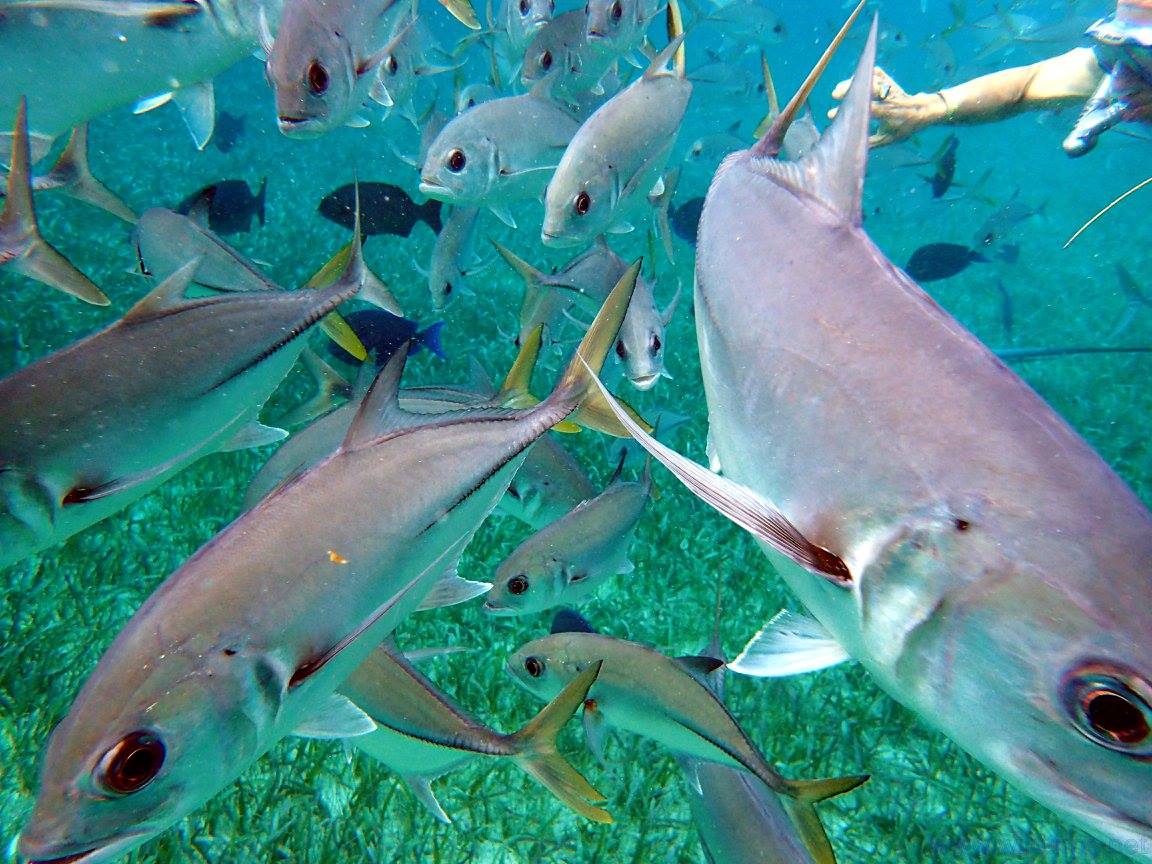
(421, 733)
(570, 559)
(616, 27)
(408, 61)
(447, 275)
(616, 159)
(560, 53)
(521, 20)
(324, 60)
(499, 151)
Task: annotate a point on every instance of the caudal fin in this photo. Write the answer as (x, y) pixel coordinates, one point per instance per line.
(538, 757)
(74, 177)
(21, 246)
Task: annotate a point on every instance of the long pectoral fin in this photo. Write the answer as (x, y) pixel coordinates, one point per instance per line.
(450, 590)
(742, 505)
(789, 644)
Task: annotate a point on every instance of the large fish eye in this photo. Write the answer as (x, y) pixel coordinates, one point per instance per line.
(621, 349)
(518, 584)
(617, 11)
(524, 7)
(447, 288)
(546, 60)
(317, 77)
(1110, 706)
(582, 204)
(132, 763)
(655, 345)
(392, 65)
(534, 666)
(456, 161)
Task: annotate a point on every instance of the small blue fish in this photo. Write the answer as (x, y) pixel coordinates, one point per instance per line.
(382, 333)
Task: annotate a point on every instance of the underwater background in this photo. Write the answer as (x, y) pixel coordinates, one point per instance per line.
(317, 801)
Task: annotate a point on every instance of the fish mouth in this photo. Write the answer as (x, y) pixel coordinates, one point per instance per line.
(645, 382)
(550, 239)
(497, 611)
(433, 189)
(93, 854)
(299, 127)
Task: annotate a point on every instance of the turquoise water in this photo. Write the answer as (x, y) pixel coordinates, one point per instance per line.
(318, 802)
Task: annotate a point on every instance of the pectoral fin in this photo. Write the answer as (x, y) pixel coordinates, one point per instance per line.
(789, 644)
(336, 717)
(451, 590)
(254, 434)
(596, 730)
(744, 506)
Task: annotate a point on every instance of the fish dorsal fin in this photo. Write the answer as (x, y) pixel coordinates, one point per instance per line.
(699, 666)
(380, 411)
(658, 68)
(833, 172)
(165, 296)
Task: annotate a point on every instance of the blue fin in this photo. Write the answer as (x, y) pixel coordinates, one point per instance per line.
(429, 337)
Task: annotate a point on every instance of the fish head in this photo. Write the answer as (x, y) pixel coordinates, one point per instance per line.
(530, 580)
(462, 164)
(640, 343)
(525, 18)
(547, 54)
(313, 74)
(544, 666)
(610, 23)
(1044, 671)
(148, 740)
(580, 202)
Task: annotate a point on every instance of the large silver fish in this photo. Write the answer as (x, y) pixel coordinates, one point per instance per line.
(616, 159)
(570, 559)
(642, 691)
(21, 246)
(951, 531)
(249, 639)
(421, 733)
(96, 425)
(78, 59)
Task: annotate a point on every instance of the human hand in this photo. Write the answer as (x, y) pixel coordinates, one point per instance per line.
(900, 114)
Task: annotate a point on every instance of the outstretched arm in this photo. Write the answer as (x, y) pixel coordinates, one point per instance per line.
(1068, 79)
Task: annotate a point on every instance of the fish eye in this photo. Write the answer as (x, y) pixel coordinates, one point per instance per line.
(656, 344)
(456, 161)
(778, 28)
(617, 11)
(546, 60)
(524, 7)
(989, 239)
(621, 349)
(392, 65)
(583, 203)
(447, 288)
(132, 763)
(317, 77)
(518, 584)
(534, 666)
(1110, 706)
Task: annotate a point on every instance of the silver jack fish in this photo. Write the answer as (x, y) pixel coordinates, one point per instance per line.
(665, 699)
(947, 527)
(77, 59)
(616, 159)
(421, 733)
(96, 425)
(570, 559)
(249, 639)
(21, 246)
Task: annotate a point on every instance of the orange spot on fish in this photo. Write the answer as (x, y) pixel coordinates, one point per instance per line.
(336, 558)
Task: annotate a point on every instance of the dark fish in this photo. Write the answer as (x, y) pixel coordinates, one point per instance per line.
(384, 209)
(945, 161)
(940, 260)
(382, 333)
(226, 207)
(229, 130)
(685, 219)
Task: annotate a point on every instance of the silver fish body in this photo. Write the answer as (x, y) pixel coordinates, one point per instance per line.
(446, 272)
(522, 19)
(324, 61)
(498, 151)
(95, 60)
(570, 559)
(166, 240)
(560, 52)
(94, 426)
(617, 27)
(616, 159)
(998, 567)
(549, 484)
